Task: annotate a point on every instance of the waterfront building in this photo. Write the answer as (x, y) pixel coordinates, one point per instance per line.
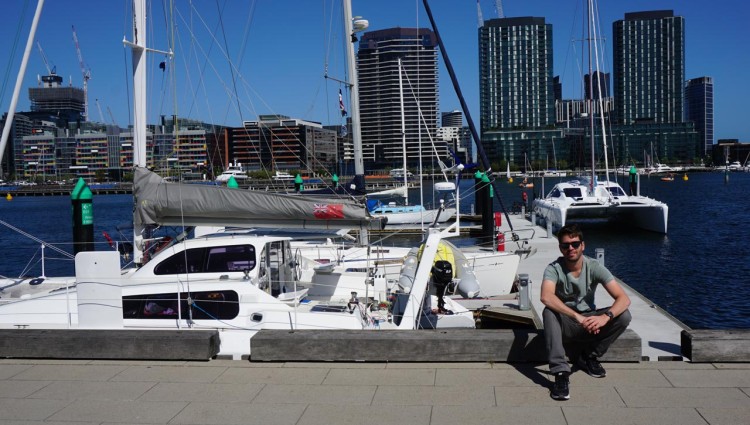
(699, 108)
(277, 142)
(380, 100)
(516, 92)
(649, 67)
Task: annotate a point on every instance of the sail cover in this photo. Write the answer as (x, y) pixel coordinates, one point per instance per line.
(175, 204)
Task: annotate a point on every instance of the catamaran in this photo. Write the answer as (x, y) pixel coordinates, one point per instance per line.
(593, 198)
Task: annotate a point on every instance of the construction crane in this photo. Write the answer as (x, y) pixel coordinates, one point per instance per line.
(99, 107)
(499, 8)
(111, 116)
(50, 71)
(86, 77)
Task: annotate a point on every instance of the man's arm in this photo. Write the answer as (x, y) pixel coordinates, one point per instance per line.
(551, 301)
(622, 303)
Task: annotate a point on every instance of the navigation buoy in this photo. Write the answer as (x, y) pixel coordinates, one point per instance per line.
(685, 177)
(9, 197)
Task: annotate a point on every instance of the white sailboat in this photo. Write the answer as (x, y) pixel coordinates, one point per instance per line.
(413, 214)
(591, 198)
(238, 283)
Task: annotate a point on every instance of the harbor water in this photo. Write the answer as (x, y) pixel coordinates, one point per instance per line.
(698, 272)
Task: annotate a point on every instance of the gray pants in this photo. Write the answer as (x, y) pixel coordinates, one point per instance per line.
(560, 329)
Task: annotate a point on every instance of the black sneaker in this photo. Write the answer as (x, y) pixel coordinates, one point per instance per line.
(561, 387)
(591, 366)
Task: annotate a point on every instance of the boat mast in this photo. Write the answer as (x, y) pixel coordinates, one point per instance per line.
(359, 167)
(403, 131)
(19, 81)
(588, 98)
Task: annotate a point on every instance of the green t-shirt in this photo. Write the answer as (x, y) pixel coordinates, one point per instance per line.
(577, 293)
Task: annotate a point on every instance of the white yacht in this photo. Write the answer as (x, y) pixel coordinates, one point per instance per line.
(578, 199)
(282, 176)
(233, 170)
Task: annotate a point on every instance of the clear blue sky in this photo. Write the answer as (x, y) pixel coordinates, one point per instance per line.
(280, 49)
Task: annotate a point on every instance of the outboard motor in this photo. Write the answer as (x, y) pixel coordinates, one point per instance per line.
(442, 276)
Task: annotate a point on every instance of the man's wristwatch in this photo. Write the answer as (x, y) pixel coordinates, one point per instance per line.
(609, 314)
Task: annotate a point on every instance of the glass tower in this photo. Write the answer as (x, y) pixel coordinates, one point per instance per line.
(516, 82)
(649, 67)
(379, 96)
(699, 108)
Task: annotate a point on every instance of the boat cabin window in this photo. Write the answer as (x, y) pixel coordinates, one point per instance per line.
(555, 193)
(217, 259)
(207, 305)
(573, 192)
(616, 190)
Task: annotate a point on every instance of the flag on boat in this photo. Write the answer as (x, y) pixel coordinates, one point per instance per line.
(341, 104)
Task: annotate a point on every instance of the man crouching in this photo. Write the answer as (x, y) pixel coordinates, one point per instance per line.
(571, 316)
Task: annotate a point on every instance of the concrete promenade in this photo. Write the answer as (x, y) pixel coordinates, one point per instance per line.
(242, 392)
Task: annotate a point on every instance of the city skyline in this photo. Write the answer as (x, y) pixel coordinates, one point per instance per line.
(280, 64)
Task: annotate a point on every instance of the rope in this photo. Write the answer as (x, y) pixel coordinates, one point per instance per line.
(34, 238)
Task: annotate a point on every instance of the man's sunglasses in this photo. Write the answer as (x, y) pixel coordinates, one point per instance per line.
(575, 245)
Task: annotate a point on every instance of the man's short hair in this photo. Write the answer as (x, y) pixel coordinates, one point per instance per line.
(571, 231)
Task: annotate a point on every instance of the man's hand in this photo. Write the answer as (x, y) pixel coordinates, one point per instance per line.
(593, 324)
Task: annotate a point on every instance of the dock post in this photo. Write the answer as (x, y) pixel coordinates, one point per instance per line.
(600, 255)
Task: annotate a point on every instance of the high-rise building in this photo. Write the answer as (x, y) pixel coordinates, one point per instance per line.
(516, 81)
(379, 96)
(516, 90)
(600, 85)
(649, 67)
(699, 108)
(52, 99)
(452, 119)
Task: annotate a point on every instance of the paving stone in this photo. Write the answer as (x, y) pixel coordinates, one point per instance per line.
(724, 416)
(683, 397)
(322, 414)
(317, 394)
(492, 377)
(709, 378)
(390, 395)
(335, 365)
(274, 375)
(158, 373)
(136, 412)
(539, 396)
(470, 365)
(226, 393)
(69, 372)
(239, 413)
(28, 409)
(382, 377)
(452, 415)
(20, 389)
(621, 377)
(11, 370)
(593, 415)
(61, 390)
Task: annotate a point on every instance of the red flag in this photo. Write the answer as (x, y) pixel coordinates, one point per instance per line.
(328, 211)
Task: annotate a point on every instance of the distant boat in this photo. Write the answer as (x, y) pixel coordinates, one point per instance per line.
(398, 174)
(525, 184)
(233, 170)
(282, 176)
(668, 178)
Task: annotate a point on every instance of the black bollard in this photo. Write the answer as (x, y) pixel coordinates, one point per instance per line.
(479, 194)
(488, 219)
(83, 217)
